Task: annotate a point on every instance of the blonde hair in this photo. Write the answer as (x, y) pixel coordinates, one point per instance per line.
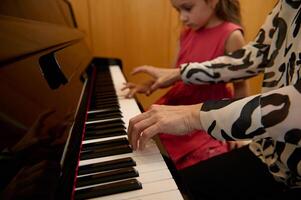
(228, 10)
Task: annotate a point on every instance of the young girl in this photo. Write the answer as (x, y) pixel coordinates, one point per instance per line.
(212, 28)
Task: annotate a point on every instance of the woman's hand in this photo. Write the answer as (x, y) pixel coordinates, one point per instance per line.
(177, 120)
(162, 77)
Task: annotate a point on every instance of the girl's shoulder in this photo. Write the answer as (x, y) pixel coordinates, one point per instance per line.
(230, 27)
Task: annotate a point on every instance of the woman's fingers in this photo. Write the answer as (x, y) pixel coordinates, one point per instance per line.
(177, 120)
(147, 134)
(137, 126)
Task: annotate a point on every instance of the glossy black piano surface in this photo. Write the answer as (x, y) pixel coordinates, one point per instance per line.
(41, 126)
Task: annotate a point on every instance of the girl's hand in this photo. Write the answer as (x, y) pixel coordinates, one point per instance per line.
(137, 88)
(177, 120)
(162, 77)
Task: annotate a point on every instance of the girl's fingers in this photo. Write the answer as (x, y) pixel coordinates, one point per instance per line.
(144, 69)
(128, 86)
(154, 87)
(131, 93)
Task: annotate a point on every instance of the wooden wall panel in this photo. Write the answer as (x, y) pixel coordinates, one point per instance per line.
(136, 31)
(82, 16)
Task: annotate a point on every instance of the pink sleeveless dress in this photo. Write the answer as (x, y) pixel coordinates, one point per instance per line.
(197, 46)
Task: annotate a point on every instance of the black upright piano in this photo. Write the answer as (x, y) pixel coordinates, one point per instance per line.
(63, 118)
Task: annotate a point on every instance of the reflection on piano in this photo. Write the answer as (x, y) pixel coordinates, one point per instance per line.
(68, 141)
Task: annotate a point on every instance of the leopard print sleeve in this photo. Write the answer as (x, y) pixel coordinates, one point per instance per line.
(241, 64)
(273, 114)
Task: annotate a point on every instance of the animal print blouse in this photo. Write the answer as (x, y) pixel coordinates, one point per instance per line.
(273, 118)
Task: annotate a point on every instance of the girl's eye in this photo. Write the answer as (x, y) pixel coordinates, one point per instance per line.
(187, 8)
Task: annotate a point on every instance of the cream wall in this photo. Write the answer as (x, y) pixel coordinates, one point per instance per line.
(146, 32)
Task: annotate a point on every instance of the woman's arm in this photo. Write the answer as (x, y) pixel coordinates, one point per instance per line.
(241, 64)
(273, 114)
(236, 41)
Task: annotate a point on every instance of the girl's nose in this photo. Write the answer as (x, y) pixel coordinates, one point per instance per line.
(183, 18)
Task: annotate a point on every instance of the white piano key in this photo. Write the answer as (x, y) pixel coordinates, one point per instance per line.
(174, 195)
(154, 175)
(136, 155)
(118, 79)
(103, 139)
(149, 177)
(154, 166)
(147, 190)
(129, 109)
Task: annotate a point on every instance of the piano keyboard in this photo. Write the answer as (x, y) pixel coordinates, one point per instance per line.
(108, 168)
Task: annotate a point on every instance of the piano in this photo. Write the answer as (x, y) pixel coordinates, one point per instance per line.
(63, 119)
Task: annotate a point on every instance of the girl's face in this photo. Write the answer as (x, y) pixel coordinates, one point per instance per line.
(195, 14)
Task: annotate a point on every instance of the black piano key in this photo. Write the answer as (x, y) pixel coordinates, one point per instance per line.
(100, 97)
(105, 131)
(104, 84)
(106, 101)
(107, 151)
(105, 126)
(106, 165)
(92, 137)
(105, 116)
(109, 176)
(105, 95)
(107, 106)
(103, 144)
(107, 189)
(108, 91)
(105, 98)
(103, 111)
(104, 92)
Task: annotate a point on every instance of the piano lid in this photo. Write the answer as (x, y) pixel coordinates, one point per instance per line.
(21, 38)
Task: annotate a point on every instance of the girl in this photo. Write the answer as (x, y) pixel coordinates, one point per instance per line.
(212, 28)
